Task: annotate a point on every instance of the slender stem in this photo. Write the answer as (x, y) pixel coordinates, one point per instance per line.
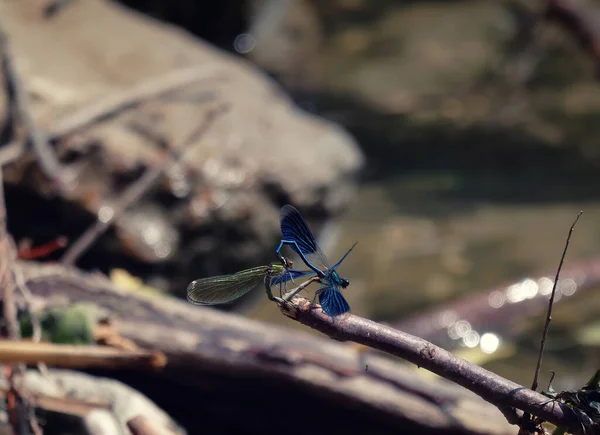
(538, 366)
(47, 159)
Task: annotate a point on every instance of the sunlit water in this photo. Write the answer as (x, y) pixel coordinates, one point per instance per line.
(416, 253)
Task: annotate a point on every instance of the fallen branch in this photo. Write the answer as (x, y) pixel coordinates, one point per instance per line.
(80, 357)
(212, 351)
(491, 387)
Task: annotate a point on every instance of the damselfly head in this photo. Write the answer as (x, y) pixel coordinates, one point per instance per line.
(336, 278)
(287, 263)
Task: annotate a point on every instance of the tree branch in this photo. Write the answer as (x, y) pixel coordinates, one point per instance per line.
(490, 386)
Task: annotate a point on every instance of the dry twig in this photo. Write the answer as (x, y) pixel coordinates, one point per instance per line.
(47, 159)
(135, 191)
(71, 356)
(113, 104)
(538, 366)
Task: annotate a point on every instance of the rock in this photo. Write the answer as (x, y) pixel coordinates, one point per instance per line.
(219, 206)
(287, 37)
(104, 405)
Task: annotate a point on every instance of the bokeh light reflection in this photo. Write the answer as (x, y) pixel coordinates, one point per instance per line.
(568, 287)
(496, 299)
(489, 342)
(471, 339)
(545, 284)
(447, 318)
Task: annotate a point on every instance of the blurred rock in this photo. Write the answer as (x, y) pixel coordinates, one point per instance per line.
(103, 405)
(287, 38)
(223, 198)
(398, 53)
(456, 86)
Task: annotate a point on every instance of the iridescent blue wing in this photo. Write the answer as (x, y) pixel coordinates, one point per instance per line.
(294, 228)
(226, 288)
(290, 274)
(331, 299)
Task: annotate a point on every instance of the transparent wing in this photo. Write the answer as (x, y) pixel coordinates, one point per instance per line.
(294, 228)
(226, 288)
(331, 299)
(290, 274)
(335, 266)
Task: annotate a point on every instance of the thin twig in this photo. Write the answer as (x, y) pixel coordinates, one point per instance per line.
(71, 356)
(538, 366)
(48, 161)
(490, 386)
(66, 405)
(113, 104)
(135, 191)
(551, 380)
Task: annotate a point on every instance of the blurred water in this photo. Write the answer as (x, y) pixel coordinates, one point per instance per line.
(510, 166)
(419, 250)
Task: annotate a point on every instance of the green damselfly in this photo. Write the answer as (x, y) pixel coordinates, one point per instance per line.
(227, 288)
